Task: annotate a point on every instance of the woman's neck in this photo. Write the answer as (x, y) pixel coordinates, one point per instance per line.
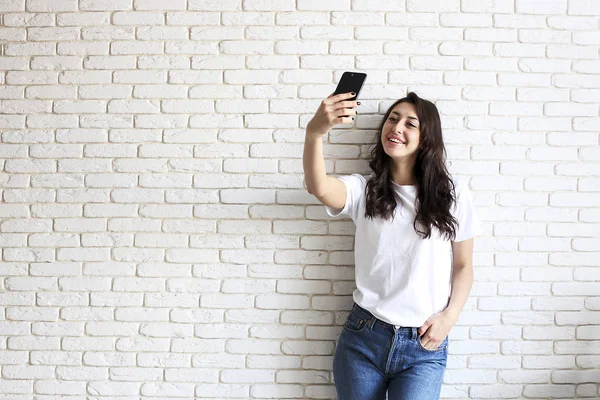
(402, 173)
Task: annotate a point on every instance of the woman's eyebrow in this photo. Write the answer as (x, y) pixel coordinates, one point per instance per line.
(409, 117)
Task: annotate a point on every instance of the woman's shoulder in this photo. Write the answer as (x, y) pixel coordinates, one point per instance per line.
(356, 178)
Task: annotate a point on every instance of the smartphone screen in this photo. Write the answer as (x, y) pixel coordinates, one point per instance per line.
(351, 82)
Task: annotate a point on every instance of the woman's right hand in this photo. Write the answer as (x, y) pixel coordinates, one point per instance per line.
(330, 112)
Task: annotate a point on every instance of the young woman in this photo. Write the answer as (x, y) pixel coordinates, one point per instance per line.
(413, 251)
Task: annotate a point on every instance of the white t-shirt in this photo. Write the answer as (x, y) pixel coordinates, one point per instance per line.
(401, 278)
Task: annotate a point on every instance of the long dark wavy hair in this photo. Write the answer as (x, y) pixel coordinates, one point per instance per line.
(435, 189)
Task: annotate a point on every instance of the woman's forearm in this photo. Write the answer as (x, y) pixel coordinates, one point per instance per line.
(313, 163)
(462, 282)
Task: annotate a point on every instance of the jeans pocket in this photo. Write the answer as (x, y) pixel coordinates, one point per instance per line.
(442, 346)
(355, 323)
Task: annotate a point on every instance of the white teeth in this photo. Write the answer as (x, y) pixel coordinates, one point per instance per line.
(395, 140)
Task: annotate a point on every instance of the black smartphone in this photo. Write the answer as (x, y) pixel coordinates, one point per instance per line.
(351, 82)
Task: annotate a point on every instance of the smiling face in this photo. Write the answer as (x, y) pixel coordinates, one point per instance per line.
(401, 132)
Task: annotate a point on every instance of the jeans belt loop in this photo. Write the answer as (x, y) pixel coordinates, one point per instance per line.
(413, 333)
(372, 322)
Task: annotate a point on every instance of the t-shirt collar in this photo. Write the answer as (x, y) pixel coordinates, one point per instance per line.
(406, 188)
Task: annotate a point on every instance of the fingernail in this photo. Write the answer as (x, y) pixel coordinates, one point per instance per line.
(353, 94)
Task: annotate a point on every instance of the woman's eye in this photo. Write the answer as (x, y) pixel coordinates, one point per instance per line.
(392, 119)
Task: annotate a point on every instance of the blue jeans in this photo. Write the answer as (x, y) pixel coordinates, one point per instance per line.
(374, 357)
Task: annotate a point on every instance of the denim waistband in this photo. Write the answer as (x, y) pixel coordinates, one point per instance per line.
(372, 320)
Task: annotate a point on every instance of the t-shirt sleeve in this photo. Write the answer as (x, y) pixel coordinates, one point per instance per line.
(355, 187)
(464, 212)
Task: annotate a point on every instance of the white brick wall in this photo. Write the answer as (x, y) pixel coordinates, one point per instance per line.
(156, 238)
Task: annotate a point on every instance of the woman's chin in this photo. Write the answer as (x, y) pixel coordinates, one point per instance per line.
(397, 151)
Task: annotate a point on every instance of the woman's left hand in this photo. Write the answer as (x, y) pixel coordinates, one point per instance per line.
(435, 329)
